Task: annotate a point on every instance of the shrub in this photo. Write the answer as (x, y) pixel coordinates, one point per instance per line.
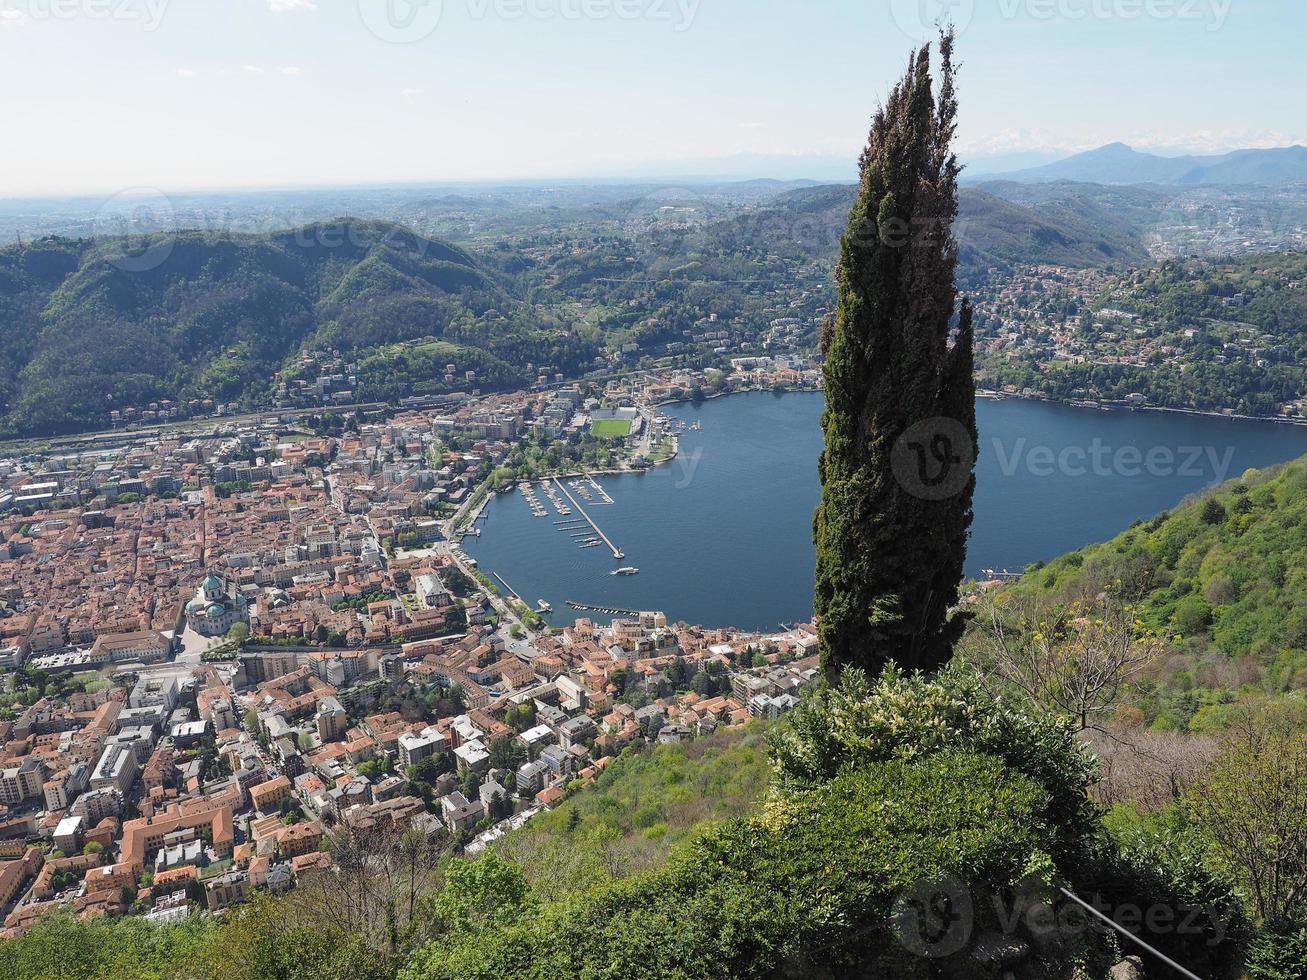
(900, 716)
(1278, 955)
(1196, 915)
(808, 888)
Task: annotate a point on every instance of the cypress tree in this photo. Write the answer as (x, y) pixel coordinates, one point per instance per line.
(897, 472)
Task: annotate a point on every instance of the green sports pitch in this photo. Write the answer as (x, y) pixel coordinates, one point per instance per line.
(610, 428)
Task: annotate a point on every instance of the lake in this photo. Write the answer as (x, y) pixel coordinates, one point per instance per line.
(723, 535)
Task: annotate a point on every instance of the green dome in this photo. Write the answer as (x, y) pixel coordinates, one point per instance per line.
(211, 583)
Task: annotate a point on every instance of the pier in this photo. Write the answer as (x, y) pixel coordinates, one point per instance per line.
(500, 579)
(1001, 575)
(610, 610)
(600, 491)
(617, 552)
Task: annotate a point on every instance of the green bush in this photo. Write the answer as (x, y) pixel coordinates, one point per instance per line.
(807, 888)
(1278, 955)
(906, 717)
(60, 947)
(1197, 918)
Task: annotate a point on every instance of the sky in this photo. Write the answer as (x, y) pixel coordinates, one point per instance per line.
(106, 96)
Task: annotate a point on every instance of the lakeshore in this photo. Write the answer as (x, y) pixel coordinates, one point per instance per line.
(723, 534)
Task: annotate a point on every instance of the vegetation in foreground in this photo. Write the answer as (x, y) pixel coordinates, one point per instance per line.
(881, 791)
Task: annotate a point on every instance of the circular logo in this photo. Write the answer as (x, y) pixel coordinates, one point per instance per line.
(921, 19)
(933, 459)
(934, 919)
(141, 226)
(401, 21)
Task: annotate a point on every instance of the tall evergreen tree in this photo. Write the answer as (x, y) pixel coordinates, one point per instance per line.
(897, 472)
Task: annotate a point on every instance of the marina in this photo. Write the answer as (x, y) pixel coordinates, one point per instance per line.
(617, 552)
(552, 495)
(529, 495)
(745, 521)
(606, 610)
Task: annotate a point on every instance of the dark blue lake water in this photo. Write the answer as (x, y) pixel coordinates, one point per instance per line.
(723, 535)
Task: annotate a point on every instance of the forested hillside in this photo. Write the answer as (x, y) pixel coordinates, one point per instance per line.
(993, 233)
(1222, 579)
(87, 327)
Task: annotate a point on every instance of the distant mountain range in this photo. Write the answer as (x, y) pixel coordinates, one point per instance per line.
(1117, 163)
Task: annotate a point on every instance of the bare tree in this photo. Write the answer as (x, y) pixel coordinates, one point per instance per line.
(379, 881)
(1253, 805)
(1150, 770)
(1073, 659)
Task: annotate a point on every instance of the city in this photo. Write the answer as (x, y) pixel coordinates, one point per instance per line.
(286, 636)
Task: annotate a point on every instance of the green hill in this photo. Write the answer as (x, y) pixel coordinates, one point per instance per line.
(992, 232)
(86, 327)
(1223, 577)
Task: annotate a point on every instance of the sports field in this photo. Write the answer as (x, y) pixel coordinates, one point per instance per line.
(610, 428)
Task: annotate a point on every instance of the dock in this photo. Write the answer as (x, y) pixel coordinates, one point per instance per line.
(1001, 574)
(500, 579)
(617, 552)
(610, 610)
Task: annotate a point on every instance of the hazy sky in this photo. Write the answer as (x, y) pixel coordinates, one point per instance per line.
(105, 95)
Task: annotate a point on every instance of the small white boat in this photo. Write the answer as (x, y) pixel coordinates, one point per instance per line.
(625, 571)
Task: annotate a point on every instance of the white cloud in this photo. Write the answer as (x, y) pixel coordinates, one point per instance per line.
(292, 70)
(187, 73)
(752, 125)
(410, 93)
(252, 69)
(288, 6)
(12, 18)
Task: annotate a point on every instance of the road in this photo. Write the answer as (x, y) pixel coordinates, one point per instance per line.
(508, 618)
